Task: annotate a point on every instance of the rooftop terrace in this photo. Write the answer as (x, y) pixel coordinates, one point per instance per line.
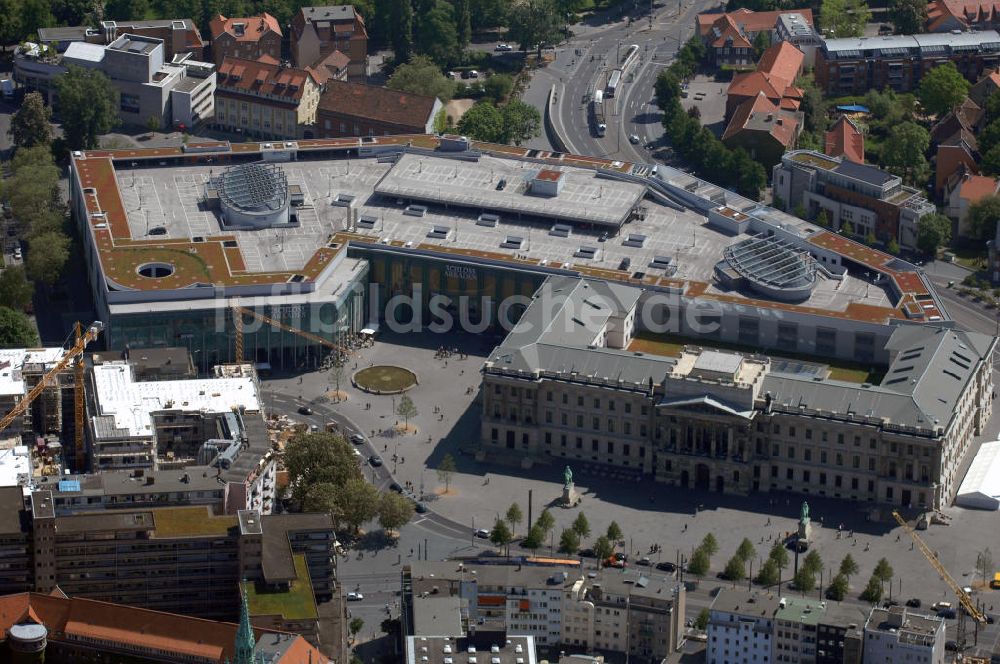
(295, 603)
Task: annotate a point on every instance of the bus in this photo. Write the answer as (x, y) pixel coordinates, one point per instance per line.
(597, 105)
(613, 83)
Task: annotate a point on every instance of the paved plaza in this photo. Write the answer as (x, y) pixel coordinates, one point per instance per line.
(648, 512)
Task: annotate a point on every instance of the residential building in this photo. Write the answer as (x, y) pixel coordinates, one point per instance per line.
(319, 31)
(209, 427)
(774, 78)
(871, 200)
(616, 610)
(741, 628)
(491, 646)
(180, 36)
(730, 36)
(856, 64)
(963, 190)
(64, 629)
(984, 88)
(954, 136)
(546, 394)
(840, 633)
(961, 15)
(897, 634)
(245, 38)
(845, 140)
(263, 99)
(353, 109)
(763, 129)
(177, 558)
(171, 93)
(333, 67)
(795, 29)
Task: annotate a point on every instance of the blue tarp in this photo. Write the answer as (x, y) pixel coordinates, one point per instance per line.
(853, 108)
(69, 485)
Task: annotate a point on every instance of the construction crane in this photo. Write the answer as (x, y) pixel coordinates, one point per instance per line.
(968, 607)
(74, 354)
(238, 313)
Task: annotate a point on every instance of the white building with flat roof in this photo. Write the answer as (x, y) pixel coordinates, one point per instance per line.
(897, 635)
(741, 628)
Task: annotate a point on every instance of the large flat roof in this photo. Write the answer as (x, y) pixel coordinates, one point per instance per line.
(13, 360)
(129, 193)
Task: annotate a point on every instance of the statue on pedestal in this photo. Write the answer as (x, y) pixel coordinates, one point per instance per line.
(570, 497)
(805, 523)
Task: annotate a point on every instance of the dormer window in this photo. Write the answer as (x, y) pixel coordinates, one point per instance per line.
(239, 29)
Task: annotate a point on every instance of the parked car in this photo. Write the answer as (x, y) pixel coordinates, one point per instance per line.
(357, 439)
(633, 139)
(603, 237)
(913, 603)
(482, 533)
(503, 48)
(625, 264)
(585, 553)
(305, 410)
(420, 508)
(501, 184)
(396, 487)
(666, 567)
(354, 597)
(644, 561)
(375, 461)
(947, 614)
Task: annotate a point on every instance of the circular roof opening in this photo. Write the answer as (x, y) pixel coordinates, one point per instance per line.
(155, 270)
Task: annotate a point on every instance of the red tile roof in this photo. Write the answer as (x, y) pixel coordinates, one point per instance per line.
(763, 115)
(966, 12)
(255, 27)
(376, 103)
(331, 66)
(751, 21)
(132, 626)
(263, 77)
(845, 139)
(977, 187)
(782, 63)
(726, 33)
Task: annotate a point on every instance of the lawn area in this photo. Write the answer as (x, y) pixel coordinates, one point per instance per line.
(970, 257)
(180, 521)
(383, 378)
(293, 604)
(671, 346)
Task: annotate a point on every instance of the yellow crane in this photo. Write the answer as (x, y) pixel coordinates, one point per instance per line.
(81, 340)
(239, 312)
(967, 605)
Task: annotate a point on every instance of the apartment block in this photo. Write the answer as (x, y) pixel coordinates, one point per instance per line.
(260, 98)
(319, 31)
(741, 628)
(614, 610)
(179, 36)
(898, 635)
(730, 36)
(353, 109)
(856, 64)
(869, 199)
(961, 16)
(245, 38)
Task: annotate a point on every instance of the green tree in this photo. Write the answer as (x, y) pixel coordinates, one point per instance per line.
(699, 563)
(761, 43)
(870, 238)
(401, 32)
(779, 555)
(15, 289)
(16, 331)
(47, 255)
(804, 580)
(904, 149)
(514, 516)
(701, 622)
(33, 190)
(883, 570)
(535, 538)
(406, 409)
(873, 591)
(848, 567)
(545, 521)
(813, 562)
(441, 121)
(312, 458)
(533, 23)
(746, 550)
(909, 16)
(709, 545)
(942, 89)
(581, 526)
(497, 87)
(933, 232)
(31, 126)
(989, 137)
(769, 573)
(603, 549)
(984, 565)
(569, 541)
(892, 246)
(357, 502)
(355, 626)
(615, 533)
(667, 88)
(843, 18)
(445, 471)
(488, 13)
(394, 510)
(322, 497)
(463, 22)
(990, 165)
(88, 105)
(501, 535)
(483, 122)
(847, 228)
(521, 122)
(735, 569)
(838, 588)
(153, 123)
(434, 33)
(420, 76)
